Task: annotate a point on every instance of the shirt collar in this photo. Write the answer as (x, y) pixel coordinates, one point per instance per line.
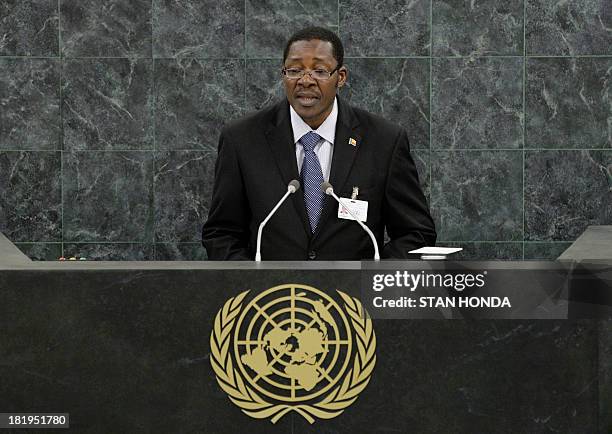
(327, 129)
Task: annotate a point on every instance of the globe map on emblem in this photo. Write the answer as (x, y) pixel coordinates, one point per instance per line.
(292, 342)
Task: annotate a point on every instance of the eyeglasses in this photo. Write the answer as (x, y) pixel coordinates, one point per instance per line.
(317, 74)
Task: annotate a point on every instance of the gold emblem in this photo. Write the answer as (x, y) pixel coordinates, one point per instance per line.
(293, 348)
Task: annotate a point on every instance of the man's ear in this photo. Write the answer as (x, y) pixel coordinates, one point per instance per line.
(343, 72)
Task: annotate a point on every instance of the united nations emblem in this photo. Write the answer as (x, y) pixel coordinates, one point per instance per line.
(293, 348)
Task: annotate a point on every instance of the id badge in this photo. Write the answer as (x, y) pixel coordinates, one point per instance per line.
(357, 207)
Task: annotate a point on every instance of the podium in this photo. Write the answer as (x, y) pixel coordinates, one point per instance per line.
(124, 347)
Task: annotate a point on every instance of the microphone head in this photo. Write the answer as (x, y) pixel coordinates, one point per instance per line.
(327, 188)
(293, 186)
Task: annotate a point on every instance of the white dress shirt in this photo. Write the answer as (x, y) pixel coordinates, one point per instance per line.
(325, 148)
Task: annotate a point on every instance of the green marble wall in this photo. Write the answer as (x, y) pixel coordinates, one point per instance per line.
(110, 112)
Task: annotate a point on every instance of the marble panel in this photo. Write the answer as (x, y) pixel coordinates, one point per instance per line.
(270, 23)
(108, 196)
(110, 251)
(477, 28)
(194, 99)
(30, 196)
(566, 191)
(110, 28)
(30, 99)
(572, 27)
(183, 188)
(542, 380)
(29, 28)
(485, 251)
(545, 251)
(385, 28)
(264, 84)
(41, 251)
(569, 103)
(397, 89)
(478, 195)
(180, 252)
(198, 28)
(477, 103)
(108, 104)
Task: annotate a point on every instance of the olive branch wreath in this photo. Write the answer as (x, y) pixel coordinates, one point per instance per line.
(252, 404)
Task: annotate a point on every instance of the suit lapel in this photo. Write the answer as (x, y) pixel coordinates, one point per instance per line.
(346, 145)
(280, 141)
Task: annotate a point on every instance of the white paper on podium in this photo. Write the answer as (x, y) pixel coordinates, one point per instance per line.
(436, 250)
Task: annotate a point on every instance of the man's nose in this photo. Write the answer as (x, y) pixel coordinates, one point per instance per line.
(306, 79)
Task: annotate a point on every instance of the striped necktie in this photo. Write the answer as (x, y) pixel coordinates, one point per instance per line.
(312, 177)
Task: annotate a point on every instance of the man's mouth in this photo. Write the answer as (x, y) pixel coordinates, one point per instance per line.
(307, 100)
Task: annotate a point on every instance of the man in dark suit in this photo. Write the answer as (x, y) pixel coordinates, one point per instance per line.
(314, 136)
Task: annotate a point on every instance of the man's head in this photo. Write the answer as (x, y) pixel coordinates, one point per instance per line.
(312, 72)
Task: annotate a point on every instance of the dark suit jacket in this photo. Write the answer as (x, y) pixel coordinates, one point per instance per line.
(256, 161)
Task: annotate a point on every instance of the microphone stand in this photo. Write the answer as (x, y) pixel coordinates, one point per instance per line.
(291, 188)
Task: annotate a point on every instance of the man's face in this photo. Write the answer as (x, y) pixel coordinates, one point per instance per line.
(313, 99)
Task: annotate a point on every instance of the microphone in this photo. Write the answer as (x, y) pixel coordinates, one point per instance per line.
(292, 187)
(329, 190)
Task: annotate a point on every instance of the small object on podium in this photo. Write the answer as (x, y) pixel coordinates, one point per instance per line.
(435, 253)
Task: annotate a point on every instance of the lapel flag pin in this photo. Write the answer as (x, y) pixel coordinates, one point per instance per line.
(352, 142)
